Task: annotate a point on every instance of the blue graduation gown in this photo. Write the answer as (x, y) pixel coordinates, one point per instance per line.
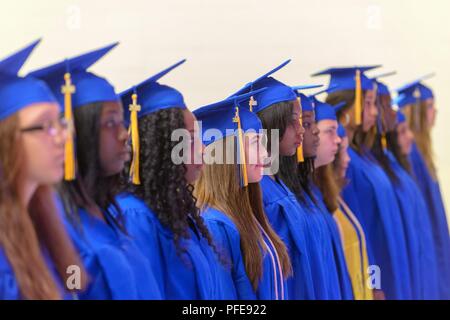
(287, 219)
(9, 287)
(371, 197)
(419, 240)
(189, 275)
(432, 193)
(325, 272)
(272, 285)
(339, 257)
(116, 267)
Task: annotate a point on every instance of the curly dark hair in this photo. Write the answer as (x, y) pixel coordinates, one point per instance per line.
(163, 184)
(91, 187)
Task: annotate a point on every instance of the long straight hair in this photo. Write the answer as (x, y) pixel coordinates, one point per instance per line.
(417, 121)
(362, 141)
(91, 188)
(278, 117)
(218, 187)
(394, 147)
(383, 101)
(325, 179)
(23, 230)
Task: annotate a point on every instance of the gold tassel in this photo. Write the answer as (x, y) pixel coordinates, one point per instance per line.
(383, 141)
(134, 131)
(237, 119)
(358, 98)
(69, 153)
(300, 157)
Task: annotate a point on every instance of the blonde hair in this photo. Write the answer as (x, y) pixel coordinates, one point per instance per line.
(325, 179)
(360, 138)
(23, 230)
(417, 121)
(218, 187)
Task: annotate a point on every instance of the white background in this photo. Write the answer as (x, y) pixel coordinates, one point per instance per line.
(228, 43)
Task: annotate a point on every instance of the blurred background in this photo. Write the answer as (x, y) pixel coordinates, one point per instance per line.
(230, 42)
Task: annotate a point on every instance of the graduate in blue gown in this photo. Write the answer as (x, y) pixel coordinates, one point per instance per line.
(229, 193)
(95, 156)
(159, 210)
(35, 250)
(417, 101)
(325, 116)
(279, 109)
(370, 194)
(415, 218)
(431, 190)
(296, 172)
(331, 179)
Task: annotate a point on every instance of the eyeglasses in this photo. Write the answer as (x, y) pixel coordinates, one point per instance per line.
(114, 124)
(52, 128)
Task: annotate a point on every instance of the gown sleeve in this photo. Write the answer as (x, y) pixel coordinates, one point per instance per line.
(233, 277)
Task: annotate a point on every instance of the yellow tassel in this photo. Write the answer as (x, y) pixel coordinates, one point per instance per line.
(69, 153)
(134, 131)
(237, 119)
(384, 142)
(358, 98)
(300, 157)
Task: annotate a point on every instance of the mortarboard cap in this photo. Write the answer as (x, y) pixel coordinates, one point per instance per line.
(142, 99)
(230, 118)
(350, 78)
(325, 111)
(17, 92)
(73, 86)
(413, 92)
(276, 90)
(87, 87)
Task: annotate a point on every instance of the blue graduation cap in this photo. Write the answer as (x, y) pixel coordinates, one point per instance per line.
(350, 78)
(342, 133)
(276, 90)
(306, 102)
(345, 78)
(414, 91)
(18, 92)
(83, 86)
(73, 86)
(230, 118)
(153, 96)
(142, 99)
(400, 117)
(325, 111)
(382, 88)
(221, 116)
